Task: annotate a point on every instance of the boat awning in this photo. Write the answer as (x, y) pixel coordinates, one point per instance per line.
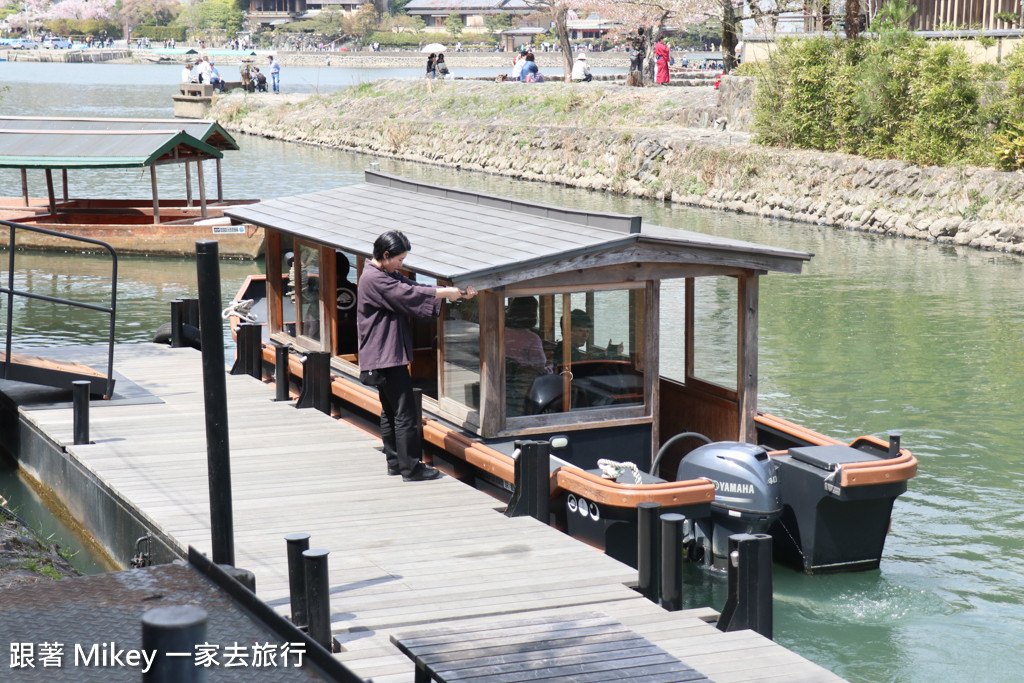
(210, 132)
(487, 241)
(58, 149)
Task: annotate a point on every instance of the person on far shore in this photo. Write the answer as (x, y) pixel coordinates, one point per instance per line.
(215, 80)
(441, 67)
(431, 61)
(530, 73)
(662, 59)
(275, 74)
(517, 64)
(581, 70)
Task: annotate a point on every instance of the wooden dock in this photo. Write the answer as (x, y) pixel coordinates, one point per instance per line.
(403, 555)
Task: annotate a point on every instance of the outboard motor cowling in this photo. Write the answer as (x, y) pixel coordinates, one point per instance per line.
(748, 498)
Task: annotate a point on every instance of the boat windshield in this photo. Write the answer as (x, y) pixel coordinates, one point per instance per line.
(574, 351)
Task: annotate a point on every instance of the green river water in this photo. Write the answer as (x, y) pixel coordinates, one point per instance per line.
(877, 334)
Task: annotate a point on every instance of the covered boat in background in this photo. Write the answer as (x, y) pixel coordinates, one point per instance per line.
(145, 227)
(621, 430)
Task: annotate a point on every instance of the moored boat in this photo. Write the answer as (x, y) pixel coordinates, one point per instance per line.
(620, 432)
(146, 227)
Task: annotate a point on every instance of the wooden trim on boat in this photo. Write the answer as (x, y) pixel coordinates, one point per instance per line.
(867, 473)
(607, 492)
(803, 433)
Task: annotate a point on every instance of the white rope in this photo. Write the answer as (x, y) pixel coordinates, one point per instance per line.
(242, 309)
(613, 470)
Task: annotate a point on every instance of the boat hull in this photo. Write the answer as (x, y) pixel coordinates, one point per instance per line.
(129, 228)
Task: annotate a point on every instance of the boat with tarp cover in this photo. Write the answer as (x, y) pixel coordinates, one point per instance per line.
(152, 226)
(589, 289)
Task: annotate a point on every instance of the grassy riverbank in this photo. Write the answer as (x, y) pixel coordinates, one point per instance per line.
(659, 143)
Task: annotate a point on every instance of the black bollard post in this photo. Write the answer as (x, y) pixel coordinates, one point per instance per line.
(672, 561)
(177, 324)
(648, 550)
(749, 604)
(894, 443)
(297, 544)
(282, 375)
(80, 410)
(178, 629)
(316, 382)
(249, 350)
(318, 597)
(532, 494)
(191, 310)
(218, 455)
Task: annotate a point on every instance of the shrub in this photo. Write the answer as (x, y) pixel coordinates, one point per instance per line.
(894, 97)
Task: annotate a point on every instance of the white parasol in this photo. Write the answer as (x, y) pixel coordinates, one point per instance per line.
(433, 47)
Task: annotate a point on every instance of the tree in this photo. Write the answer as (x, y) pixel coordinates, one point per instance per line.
(397, 7)
(453, 25)
(149, 12)
(559, 11)
(496, 23)
(364, 21)
(653, 16)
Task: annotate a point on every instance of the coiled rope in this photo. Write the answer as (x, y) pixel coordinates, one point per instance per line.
(613, 470)
(243, 309)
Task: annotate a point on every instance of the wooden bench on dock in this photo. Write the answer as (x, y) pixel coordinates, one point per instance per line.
(584, 647)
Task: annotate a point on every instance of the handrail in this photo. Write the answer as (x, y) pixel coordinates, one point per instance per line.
(11, 292)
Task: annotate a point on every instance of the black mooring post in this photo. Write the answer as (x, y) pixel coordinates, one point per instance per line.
(672, 561)
(318, 597)
(282, 375)
(316, 382)
(218, 457)
(532, 495)
(749, 604)
(648, 539)
(248, 350)
(894, 443)
(80, 410)
(191, 311)
(177, 324)
(175, 628)
(297, 544)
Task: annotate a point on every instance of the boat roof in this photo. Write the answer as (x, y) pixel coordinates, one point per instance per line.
(210, 132)
(49, 149)
(472, 238)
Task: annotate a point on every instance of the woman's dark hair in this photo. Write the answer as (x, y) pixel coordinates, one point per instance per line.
(529, 56)
(391, 243)
(440, 57)
(521, 313)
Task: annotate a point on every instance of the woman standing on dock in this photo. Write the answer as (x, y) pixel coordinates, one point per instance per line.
(386, 299)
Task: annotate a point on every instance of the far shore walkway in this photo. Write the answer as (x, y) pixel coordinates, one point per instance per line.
(403, 555)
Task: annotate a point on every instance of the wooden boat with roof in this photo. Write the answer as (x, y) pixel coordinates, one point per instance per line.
(574, 279)
(147, 227)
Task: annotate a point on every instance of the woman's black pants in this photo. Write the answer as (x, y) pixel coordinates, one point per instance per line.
(399, 420)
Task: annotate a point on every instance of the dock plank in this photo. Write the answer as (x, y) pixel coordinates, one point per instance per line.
(403, 555)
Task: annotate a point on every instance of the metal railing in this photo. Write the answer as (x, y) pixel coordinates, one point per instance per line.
(10, 291)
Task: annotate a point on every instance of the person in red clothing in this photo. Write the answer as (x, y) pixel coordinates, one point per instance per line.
(385, 300)
(661, 60)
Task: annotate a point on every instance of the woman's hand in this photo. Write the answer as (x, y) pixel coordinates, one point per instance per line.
(469, 292)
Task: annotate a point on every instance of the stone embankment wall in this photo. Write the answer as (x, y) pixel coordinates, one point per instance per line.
(646, 142)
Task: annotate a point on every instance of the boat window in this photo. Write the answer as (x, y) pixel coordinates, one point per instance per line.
(345, 277)
(306, 275)
(588, 358)
(461, 364)
(714, 331)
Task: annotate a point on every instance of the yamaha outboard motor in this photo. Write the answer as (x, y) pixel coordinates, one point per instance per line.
(748, 497)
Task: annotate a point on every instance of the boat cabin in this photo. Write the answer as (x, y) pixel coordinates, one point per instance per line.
(567, 335)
